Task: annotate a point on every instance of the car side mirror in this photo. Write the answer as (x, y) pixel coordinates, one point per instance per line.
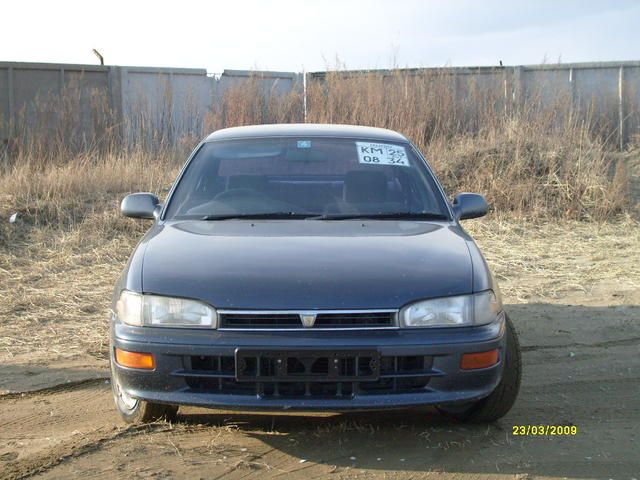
(469, 205)
(140, 205)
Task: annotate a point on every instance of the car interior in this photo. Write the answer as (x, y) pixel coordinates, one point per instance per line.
(299, 184)
(356, 192)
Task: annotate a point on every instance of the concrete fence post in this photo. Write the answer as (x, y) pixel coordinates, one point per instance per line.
(123, 101)
(518, 89)
(12, 103)
(127, 87)
(115, 99)
(572, 88)
(621, 107)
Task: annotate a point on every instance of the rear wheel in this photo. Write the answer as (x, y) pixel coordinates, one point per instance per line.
(500, 401)
(133, 410)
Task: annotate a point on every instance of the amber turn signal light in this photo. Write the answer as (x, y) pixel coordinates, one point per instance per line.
(472, 361)
(135, 359)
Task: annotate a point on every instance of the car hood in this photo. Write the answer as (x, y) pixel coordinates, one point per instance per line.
(306, 264)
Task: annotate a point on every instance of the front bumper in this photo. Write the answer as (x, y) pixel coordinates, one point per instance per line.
(416, 367)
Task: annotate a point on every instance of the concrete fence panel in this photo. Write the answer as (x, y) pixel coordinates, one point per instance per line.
(82, 104)
(164, 104)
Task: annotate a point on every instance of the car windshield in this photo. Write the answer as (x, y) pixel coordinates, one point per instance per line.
(321, 178)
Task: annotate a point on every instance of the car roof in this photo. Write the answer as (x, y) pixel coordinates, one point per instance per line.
(307, 130)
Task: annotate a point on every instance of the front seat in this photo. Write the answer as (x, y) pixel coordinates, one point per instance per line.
(252, 182)
(363, 192)
(365, 187)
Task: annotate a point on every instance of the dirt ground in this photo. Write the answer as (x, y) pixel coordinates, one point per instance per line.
(572, 291)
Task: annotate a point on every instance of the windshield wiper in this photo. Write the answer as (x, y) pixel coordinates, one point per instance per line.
(328, 216)
(383, 216)
(257, 216)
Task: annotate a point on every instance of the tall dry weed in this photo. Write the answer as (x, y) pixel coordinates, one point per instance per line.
(535, 157)
(83, 193)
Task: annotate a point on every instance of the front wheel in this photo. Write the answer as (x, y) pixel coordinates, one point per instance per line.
(133, 410)
(500, 401)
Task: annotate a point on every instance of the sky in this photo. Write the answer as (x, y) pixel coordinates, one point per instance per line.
(304, 35)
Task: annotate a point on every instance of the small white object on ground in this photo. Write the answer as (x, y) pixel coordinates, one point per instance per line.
(13, 218)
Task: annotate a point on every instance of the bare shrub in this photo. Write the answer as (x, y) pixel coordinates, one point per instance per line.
(63, 195)
(59, 125)
(247, 102)
(538, 159)
(532, 155)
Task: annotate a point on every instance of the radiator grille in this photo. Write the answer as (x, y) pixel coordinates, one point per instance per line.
(397, 374)
(266, 320)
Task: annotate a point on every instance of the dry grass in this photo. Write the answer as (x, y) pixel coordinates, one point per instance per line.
(570, 261)
(60, 277)
(535, 158)
(541, 171)
(245, 103)
(62, 194)
(60, 260)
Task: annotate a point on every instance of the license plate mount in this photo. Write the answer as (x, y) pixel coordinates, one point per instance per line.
(307, 365)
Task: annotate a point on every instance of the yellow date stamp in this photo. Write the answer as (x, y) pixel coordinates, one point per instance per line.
(549, 430)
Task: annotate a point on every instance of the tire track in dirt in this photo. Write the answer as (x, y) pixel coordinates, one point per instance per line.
(56, 388)
(609, 343)
(72, 430)
(52, 423)
(47, 410)
(91, 442)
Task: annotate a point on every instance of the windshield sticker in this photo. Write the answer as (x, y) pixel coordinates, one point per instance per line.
(381, 154)
(304, 143)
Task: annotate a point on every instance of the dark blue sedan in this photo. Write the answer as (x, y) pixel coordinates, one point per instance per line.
(309, 267)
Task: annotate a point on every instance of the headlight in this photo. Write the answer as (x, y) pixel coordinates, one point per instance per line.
(158, 311)
(460, 311)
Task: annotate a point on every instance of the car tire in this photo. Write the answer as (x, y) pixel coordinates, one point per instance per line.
(133, 410)
(500, 401)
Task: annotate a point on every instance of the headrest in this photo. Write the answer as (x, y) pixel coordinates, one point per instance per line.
(364, 187)
(254, 182)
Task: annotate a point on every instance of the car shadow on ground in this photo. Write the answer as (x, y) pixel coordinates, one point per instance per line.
(576, 360)
(581, 368)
